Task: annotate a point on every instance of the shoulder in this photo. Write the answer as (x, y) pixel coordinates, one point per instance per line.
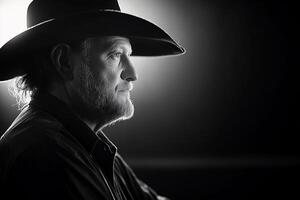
(33, 159)
(34, 137)
(39, 172)
(31, 128)
(38, 156)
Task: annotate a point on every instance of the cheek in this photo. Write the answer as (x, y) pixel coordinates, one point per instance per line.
(107, 73)
(112, 79)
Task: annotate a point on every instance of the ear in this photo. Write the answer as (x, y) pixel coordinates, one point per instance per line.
(61, 59)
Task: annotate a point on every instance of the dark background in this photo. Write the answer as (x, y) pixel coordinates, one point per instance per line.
(213, 123)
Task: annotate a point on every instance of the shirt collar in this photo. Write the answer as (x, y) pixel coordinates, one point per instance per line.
(91, 141)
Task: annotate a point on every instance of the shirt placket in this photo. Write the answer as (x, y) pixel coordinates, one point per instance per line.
(103, 155)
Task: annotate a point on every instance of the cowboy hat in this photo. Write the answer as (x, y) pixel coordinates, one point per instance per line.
(53, 21)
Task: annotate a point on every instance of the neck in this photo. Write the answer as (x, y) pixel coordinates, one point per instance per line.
(64, 97)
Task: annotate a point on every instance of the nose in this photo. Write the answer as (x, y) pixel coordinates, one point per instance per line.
(128, 73)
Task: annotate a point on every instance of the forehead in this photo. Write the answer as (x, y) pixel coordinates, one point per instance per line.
(106, 43)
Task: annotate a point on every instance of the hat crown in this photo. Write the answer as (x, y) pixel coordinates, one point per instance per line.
(42, 10)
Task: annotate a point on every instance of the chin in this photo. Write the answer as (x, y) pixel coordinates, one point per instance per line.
(120, 110)
(126, 109)
(129, 113)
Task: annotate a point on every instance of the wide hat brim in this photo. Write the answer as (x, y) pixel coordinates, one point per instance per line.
(146, 38)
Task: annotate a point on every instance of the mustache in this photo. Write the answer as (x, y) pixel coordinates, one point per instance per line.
(125, 87)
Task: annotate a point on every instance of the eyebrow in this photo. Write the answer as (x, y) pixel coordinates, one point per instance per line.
(114, 43)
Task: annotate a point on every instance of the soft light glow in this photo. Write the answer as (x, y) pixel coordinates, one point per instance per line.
(12, 22)
(12, 18)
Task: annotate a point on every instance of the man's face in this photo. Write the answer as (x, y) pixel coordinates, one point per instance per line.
(103, 79)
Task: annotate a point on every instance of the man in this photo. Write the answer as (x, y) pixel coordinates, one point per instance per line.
(74, 63)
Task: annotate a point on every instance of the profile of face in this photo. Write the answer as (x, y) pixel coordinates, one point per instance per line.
(103, 76)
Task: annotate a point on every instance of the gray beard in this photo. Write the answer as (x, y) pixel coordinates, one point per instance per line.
(97, 103)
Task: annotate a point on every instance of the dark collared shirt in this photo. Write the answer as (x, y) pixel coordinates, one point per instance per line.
(48, 153)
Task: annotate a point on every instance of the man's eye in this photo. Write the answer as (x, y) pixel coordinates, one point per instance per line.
(116, 55)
